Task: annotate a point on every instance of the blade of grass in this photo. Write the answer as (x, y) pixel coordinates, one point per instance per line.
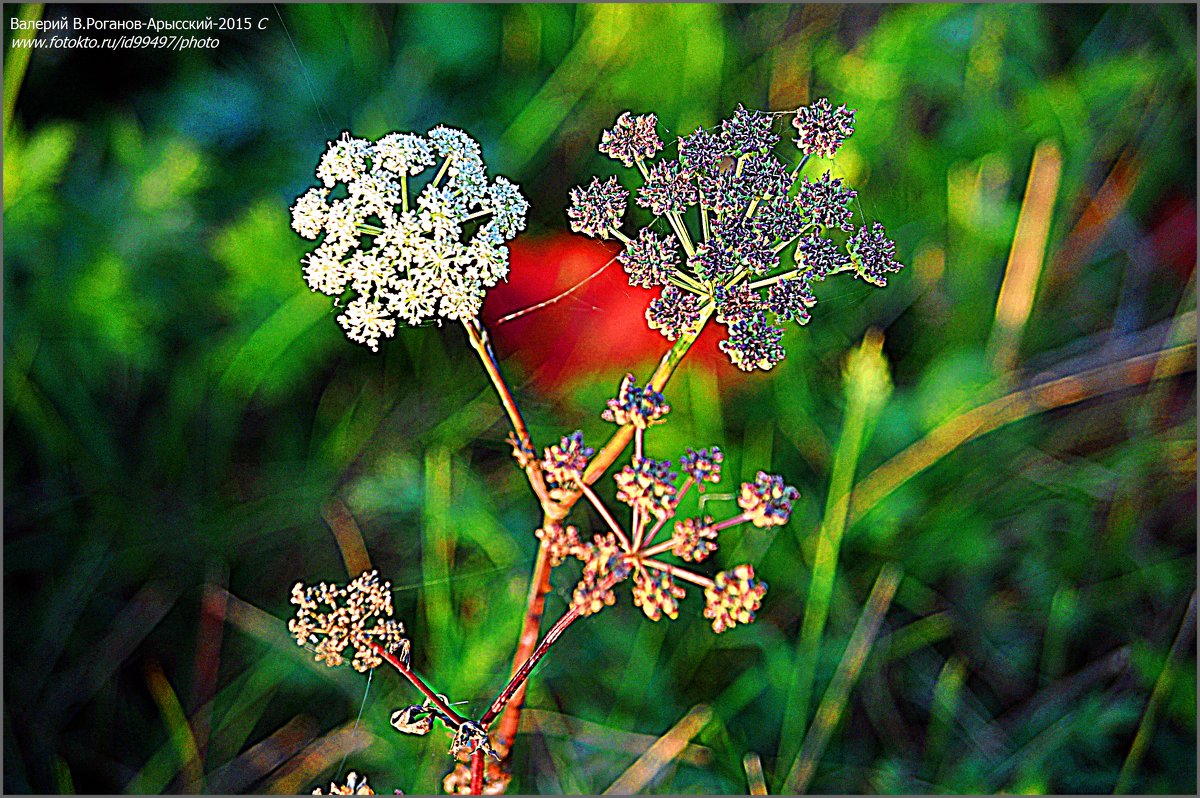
(16, 63)
(833, 704)
(348, 536)
(182, 740)
(597, 735)
(947, 692)
(662, 752)
(1162, 688)
(263, 757)
(988, 417)
(1025, 258)
(754, 774)
(867, 387)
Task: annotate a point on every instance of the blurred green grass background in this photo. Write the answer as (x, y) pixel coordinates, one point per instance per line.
(186, 427)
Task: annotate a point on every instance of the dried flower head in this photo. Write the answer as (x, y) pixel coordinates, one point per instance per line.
(767, 500)
(394, 255)
(632, 138)
(640, 407)
(733, 598)
(822, 128)
(471, 737)
(358, 616)
(355, 785)
(561, 542)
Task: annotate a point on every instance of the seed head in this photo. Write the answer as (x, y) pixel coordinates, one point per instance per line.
(674, 313)
(649, 259)
(748, 132)
(827, 203)
(767, 500)
(791, 299)
(873, 254)
(561, 542)
(733, 598)
(822, 128)
(702, 466)
(667, 189)
(602, 558)
(649, 485)
(753, 343)
(820, 257)
(598, 208)
(633, 138)
(565, 463)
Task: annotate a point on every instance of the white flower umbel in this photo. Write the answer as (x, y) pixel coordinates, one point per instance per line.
(392, 248)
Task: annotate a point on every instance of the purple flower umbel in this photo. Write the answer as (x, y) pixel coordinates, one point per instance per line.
(631, 139)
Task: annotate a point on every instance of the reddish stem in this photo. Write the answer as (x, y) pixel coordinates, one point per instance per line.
(518, 679)
(477, 765)
(452, 718)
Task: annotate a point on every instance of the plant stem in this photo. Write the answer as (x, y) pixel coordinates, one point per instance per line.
(522, 673)
(452, 718)
(607, 516)
(867, 387)
(682, 573)
(539, 584)
(481, 343)
(477, 765)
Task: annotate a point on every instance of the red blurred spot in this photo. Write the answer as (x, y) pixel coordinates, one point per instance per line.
(598, 330)
(1174, 238)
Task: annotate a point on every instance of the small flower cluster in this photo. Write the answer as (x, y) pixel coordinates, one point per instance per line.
(654, 489)
(564, 464)
(355, 785)
(359, 616)
(397, 255)
(752, 207)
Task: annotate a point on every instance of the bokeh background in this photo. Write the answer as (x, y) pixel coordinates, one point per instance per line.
(187, 433)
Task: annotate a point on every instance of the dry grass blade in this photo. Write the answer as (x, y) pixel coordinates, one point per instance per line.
(1025, 258)
(754, 774)
(833, 705)
(979, 421)
(178, 728)
(598, 735)
(348, 536)
(263, 757)
(295, 776)
(664, 750)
